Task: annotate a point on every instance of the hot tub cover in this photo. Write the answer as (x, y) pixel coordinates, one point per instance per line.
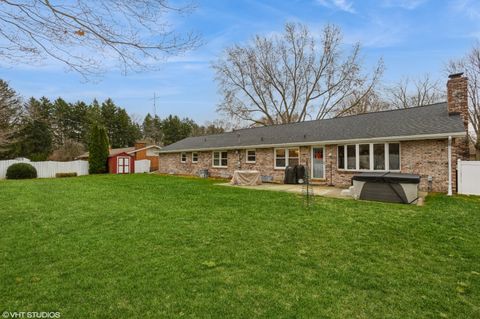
(387, 177)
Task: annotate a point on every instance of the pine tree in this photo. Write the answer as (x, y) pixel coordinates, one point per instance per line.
(98, 150)
(10, 117)
(36, 143)
(175, 129)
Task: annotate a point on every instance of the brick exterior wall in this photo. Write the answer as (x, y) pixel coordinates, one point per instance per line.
(171, 164)
(457, 99)
(424, 157)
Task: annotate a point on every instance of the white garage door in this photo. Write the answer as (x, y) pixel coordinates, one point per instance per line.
(469, 177)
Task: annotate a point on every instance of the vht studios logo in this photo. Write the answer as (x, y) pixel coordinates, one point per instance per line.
(31, 314)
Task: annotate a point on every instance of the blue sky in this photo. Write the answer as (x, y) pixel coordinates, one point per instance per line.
(412, 36)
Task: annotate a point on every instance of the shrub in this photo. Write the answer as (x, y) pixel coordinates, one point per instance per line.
(21, 171)
(66, 174)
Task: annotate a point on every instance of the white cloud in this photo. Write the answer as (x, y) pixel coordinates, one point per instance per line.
(343, 5)
(405, 4)
(467, 7)
(379, 33)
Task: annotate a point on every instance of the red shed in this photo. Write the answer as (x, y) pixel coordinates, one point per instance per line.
(121, 163)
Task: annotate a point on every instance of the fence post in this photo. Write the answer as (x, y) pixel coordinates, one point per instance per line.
(459, 176)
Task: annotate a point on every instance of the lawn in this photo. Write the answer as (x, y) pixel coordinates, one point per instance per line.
(148, 246)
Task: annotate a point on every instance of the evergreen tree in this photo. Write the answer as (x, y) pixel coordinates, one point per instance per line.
(109, 114)
(41, 110)
(175, 129)
(98, 150)
(36, 143)
(152, 129)
(61, 121)
(79, 122)
(10, 118)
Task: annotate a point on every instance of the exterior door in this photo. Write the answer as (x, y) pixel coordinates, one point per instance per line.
(123, 166)
(318, 164)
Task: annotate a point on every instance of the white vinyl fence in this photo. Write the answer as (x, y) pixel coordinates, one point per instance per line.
(142, 166)
(48, 168)
(468, 174)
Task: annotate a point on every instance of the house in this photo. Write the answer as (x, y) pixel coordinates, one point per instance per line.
(140, 151)
(424, 140)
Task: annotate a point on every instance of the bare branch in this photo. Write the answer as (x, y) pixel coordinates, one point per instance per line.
(289, 78)
(91, 36)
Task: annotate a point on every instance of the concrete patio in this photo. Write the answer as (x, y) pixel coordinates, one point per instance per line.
(327, 191)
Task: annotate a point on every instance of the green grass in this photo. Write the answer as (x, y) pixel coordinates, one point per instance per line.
(146, 246)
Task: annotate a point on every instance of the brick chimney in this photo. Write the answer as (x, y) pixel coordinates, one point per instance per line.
(457, 96)
(140, 144)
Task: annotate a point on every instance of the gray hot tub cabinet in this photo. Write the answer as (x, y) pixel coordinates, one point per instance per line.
(386, 187)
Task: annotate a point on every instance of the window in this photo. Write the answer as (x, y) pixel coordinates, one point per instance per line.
(280, 157)
(375, 157)
(351, 157)
(364, 156)
(183, 157)
(293, 156)
(394, 156)
(220, 159)
(341, 157)
(379, 157)
(251, 156)
(286, 157)
(194, 157)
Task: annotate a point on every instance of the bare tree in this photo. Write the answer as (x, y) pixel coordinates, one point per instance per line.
(68, 151)
(10, 114)
(88, 36)
(292, 77)
(470, 65)
(360, 102)
(421, 91)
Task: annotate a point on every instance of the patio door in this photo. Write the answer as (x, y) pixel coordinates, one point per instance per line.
(123, 165)
(318, 164)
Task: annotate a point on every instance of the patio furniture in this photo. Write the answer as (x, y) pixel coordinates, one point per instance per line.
(246, 177)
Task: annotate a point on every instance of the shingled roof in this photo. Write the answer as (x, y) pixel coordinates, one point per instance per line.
(413, 123)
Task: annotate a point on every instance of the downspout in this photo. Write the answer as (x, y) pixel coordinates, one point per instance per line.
(449, 166)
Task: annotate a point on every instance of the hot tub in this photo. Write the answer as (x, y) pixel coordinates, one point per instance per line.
(386, 187)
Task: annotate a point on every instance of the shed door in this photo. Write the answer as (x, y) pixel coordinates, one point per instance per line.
(123, 165)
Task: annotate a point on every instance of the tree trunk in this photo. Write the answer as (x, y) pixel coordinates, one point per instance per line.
(477, 149)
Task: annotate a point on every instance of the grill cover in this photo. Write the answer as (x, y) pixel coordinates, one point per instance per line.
(290, 175)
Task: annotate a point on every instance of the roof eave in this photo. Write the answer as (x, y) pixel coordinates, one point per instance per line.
(346, 141)
(144, 148)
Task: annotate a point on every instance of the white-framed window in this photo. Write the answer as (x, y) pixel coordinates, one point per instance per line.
(286, 157)
(251, 156)
(183, 157)
(220, 159)
(194, 157)
(369, 157)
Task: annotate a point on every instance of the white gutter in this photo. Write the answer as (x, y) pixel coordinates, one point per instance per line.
(449, 166)
(352, 141)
